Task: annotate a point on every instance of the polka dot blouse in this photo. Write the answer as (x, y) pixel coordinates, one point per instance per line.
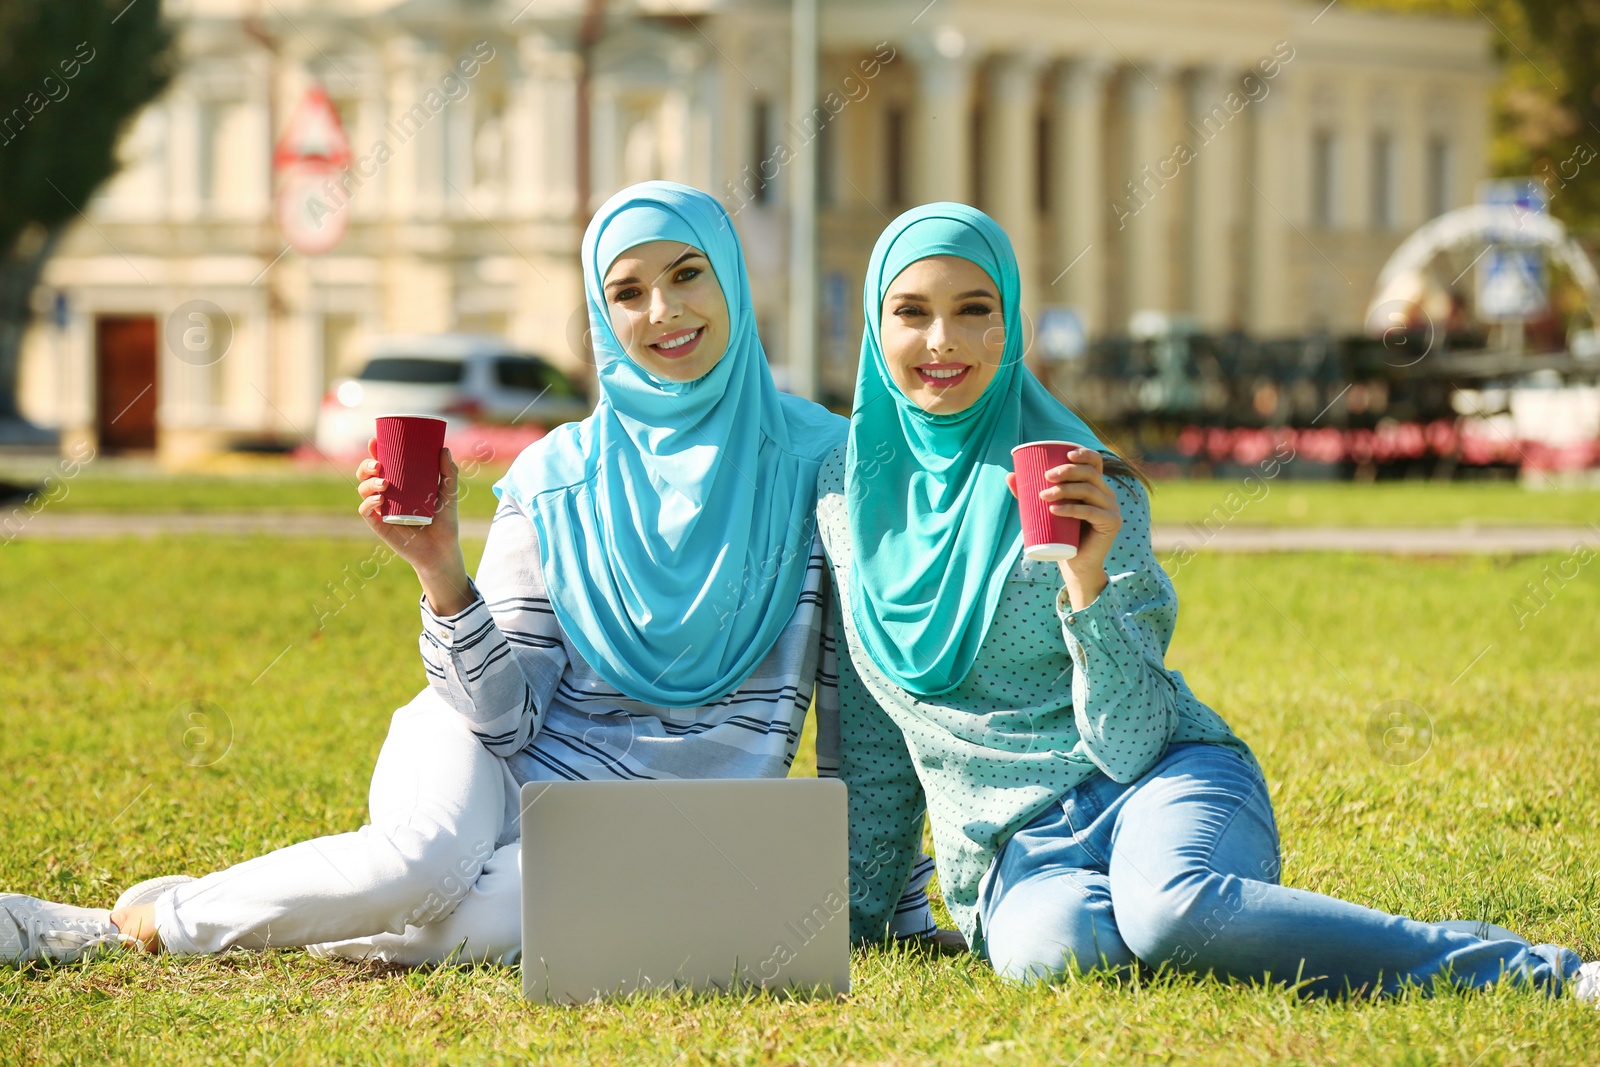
(1054, 698)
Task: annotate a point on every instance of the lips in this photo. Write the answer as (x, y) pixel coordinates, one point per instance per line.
(678, 344)
(943, 375)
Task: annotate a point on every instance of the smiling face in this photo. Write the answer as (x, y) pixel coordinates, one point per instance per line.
(668, 309)
(943, 333)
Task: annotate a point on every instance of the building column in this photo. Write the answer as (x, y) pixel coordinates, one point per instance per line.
(943, 133)
(545, 149)
(368, 129)
(1150, 202)
(1272, 204)
(674, 120)
(607, 150)
(184, 148)
(1410, 148)
(1213, 198)
(1077, 161)
(1010, 169)
(252, 196)
(1355, 161)
(702, 137)
(524, 151)
(458, 177)
(730, 102)
(403, 58)
(1471, 145)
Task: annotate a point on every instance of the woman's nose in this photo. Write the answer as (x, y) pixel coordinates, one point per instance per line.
(662, 306)
(938, 335)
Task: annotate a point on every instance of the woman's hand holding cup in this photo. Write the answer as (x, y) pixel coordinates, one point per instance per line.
(433, 550)
(1077, 489)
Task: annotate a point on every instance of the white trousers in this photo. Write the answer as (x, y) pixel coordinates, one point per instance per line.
(440, 806)
(435, 877)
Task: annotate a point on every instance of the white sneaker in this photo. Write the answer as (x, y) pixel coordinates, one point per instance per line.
(356, 949)
(1488, 931)
(147, 891)
(1586, 983)
(39, 931)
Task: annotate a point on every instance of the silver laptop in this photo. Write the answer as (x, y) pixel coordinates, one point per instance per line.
(711, 885)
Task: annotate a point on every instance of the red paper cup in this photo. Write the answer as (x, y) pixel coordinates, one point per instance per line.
(1045, 535)
(408, 452)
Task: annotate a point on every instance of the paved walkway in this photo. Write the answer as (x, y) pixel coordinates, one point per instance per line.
(1167, 538)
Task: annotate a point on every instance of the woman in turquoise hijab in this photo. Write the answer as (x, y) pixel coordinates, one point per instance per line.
(1087, 809)
(651, 604)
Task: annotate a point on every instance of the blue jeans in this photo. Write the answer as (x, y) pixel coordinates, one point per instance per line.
(1182, 867)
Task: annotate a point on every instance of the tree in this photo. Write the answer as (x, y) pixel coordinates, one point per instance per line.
(1547, 102)
(1567, 156)
(73, 74)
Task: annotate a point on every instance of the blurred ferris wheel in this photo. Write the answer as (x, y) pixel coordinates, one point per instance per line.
(1511, 237)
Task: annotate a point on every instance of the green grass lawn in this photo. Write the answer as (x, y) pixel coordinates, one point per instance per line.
(1287, 503)
(106, 645)
(1274, 503)
(311, 492)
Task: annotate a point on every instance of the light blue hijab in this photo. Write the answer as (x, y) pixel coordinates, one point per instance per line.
(675, 523)
(935, 532)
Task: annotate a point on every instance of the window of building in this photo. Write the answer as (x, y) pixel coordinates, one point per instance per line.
(1041, 163)
(895, 186)
(229, 158)
(641, 144)
(1438, 176)
(348, 109)
(1383, 184)
(208, 118)
(762, 161)
(1324, 177)
(489, 148)
(976, 131)
(828, 162)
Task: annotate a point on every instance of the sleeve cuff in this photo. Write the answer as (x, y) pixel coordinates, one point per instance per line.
(1098, 627)
(443, 627)
(1080, 622)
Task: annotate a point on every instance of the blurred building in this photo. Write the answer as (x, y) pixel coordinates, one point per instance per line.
(1239, 163)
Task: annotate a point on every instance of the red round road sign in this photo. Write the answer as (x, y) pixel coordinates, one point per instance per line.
(313, 149)
(309, 219)
(314, 134)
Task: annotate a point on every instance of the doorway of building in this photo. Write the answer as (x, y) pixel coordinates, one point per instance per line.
(125, 382)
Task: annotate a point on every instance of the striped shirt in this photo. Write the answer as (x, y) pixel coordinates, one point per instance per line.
(505, 666)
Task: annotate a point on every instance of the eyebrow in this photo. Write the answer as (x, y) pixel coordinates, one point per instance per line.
(691, 254)
(959, 296)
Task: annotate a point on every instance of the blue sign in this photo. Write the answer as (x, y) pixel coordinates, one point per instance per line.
(1511, 283)
(1060, 334)
(1525, 194)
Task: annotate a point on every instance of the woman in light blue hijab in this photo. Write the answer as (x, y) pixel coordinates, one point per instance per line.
(675, 523)
(651, 604)
(1088, 810)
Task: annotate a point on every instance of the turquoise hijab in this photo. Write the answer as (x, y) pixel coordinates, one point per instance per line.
(935, 532)
(675, 523)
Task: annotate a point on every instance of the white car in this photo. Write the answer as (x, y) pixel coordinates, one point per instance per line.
(465, 378)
